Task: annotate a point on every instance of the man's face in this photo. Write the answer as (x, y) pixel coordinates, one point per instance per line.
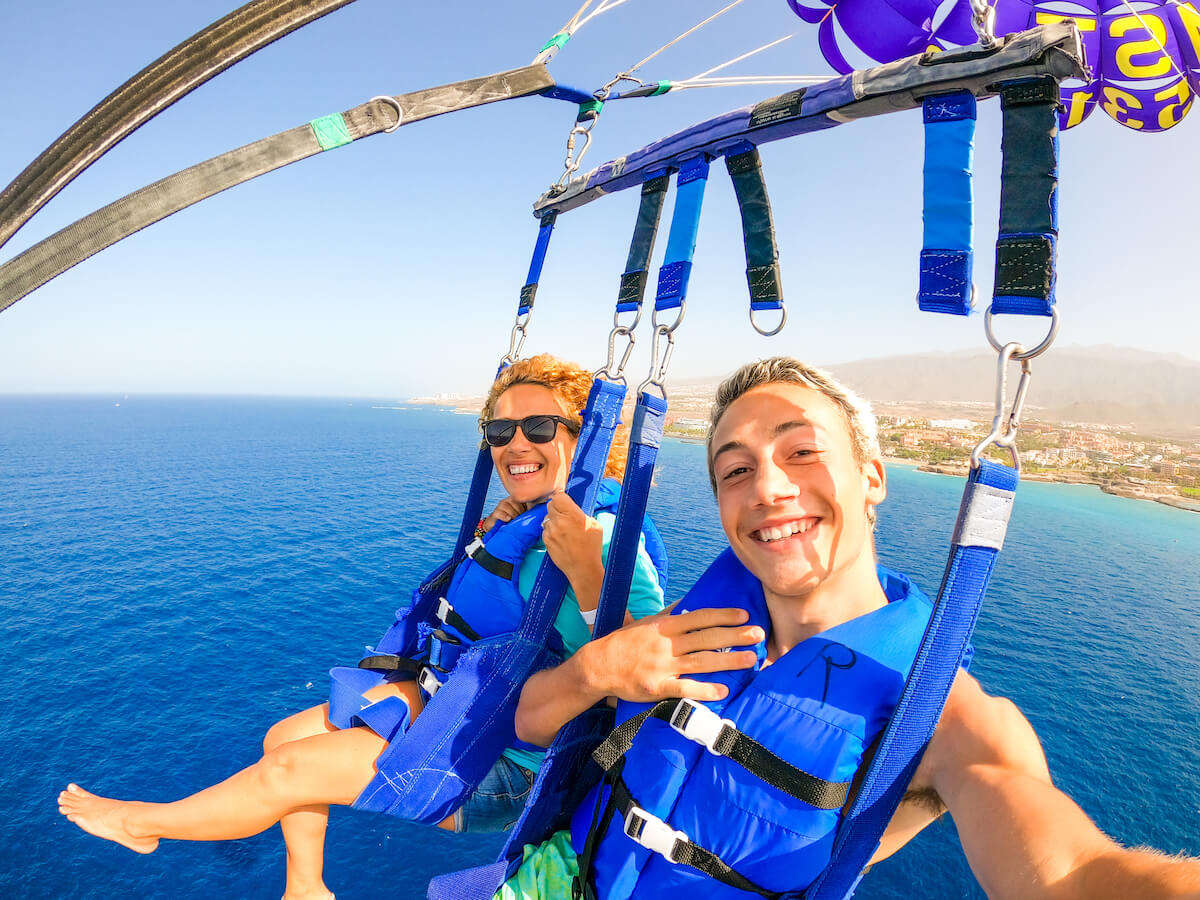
(793, 499)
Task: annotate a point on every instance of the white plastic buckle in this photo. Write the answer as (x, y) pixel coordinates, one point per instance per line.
(444, 609)
(652, 832)
(698, 723)
(428, 681)
(473, 547)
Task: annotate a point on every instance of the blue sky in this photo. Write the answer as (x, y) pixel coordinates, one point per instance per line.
(392, 266)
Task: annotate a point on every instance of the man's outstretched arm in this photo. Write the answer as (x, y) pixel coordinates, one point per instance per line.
(1024, 838)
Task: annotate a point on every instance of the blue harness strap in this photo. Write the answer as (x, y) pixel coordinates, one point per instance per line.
(676, 269)
(1028, 237)
(568, 772)
(758, 227)
(978, 537)
(529, 289)
(946, 248)
(426, 774)
(641, 246)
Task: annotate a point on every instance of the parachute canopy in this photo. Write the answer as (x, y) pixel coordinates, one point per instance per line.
(1144, 55)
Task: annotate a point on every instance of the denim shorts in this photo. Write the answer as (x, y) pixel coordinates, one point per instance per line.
(498, 801)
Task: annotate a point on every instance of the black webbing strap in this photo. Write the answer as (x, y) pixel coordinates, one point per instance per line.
(637, 265)
(450, 616)
(681, 851)
(172, 76)
(1025, 247)
(104, 227)
(389, 662)
(498, 567)
(729, 742)
(758, 230)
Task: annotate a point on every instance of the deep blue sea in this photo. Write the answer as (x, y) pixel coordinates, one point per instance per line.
(177, 573)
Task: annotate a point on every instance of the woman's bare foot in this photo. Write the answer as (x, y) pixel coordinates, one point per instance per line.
(103, 817)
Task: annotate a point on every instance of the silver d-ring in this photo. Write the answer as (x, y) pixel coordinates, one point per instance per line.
(1028, 354)
(778, 328)
(395, 104)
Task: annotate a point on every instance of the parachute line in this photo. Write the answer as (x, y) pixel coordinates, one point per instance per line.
(738, 59)
(690, 31)
(1174, 65)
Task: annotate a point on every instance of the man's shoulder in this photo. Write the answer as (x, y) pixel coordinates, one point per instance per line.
(977, 728)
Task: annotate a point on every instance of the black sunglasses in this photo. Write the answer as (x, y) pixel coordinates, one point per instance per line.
(537, 429)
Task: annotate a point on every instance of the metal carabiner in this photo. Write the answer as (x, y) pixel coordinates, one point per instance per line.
(607, 371)
(573, 160)
(983, 19)
(516, 341)
(661, 357)
(1007, 420)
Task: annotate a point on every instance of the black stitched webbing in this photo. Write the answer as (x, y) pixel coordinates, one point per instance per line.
(497, 567)
(459, 624)
(389, 662)
(742, 749)
(686, 853)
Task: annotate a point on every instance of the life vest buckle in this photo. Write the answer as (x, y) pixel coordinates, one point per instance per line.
(653, 833)
(428, 681)
(698, 723)
(471, 549)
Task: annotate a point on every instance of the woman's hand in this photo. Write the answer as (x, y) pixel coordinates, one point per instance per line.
(575, 541)
(506, 510)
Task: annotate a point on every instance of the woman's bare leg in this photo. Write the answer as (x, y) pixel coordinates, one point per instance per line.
(304, 829)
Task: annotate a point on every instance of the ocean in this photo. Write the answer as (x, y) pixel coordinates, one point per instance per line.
(178, 573)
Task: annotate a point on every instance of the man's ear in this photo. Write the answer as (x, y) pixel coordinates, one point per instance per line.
(874, 480)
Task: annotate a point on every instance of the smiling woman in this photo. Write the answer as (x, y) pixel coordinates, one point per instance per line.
(326, 754)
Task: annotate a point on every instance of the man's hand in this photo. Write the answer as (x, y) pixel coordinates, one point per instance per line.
(649, 659)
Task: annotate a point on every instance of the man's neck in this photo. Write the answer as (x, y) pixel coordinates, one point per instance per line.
(849, 594)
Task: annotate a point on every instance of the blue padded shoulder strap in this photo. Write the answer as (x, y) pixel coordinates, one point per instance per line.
(681, 242)
(978, 537)
(946, 250)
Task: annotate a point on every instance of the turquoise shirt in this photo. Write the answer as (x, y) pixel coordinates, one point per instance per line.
(645, 599)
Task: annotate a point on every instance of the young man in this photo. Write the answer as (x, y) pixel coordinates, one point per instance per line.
(795, 466)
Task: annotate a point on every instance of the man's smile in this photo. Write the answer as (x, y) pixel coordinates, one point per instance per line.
(772, 533)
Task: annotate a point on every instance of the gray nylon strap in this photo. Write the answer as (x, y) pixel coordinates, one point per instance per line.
(170, 77)
(983, 517)
(104, 227)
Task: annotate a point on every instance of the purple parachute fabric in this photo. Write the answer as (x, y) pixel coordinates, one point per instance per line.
(1133, 81)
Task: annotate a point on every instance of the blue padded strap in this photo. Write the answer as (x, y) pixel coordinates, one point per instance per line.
(529, 290)
(978, 535)
(649, 416)
(946, 250)
(600, 419)
(560, 785)
(637, 265)
(476, 495)
(681, 242)
(758, 227)
(1028, 238)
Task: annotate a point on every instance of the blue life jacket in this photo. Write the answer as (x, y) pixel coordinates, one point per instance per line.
(481, 601)
(675, 811)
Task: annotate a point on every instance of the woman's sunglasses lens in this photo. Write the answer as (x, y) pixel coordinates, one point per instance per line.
(539, 429)
(499, 432)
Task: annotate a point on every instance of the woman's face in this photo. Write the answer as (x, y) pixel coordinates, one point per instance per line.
(531, 472)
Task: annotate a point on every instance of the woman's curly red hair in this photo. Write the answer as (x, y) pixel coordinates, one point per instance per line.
(571, 385)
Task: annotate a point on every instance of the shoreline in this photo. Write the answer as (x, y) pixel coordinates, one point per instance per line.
(1128, 491)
